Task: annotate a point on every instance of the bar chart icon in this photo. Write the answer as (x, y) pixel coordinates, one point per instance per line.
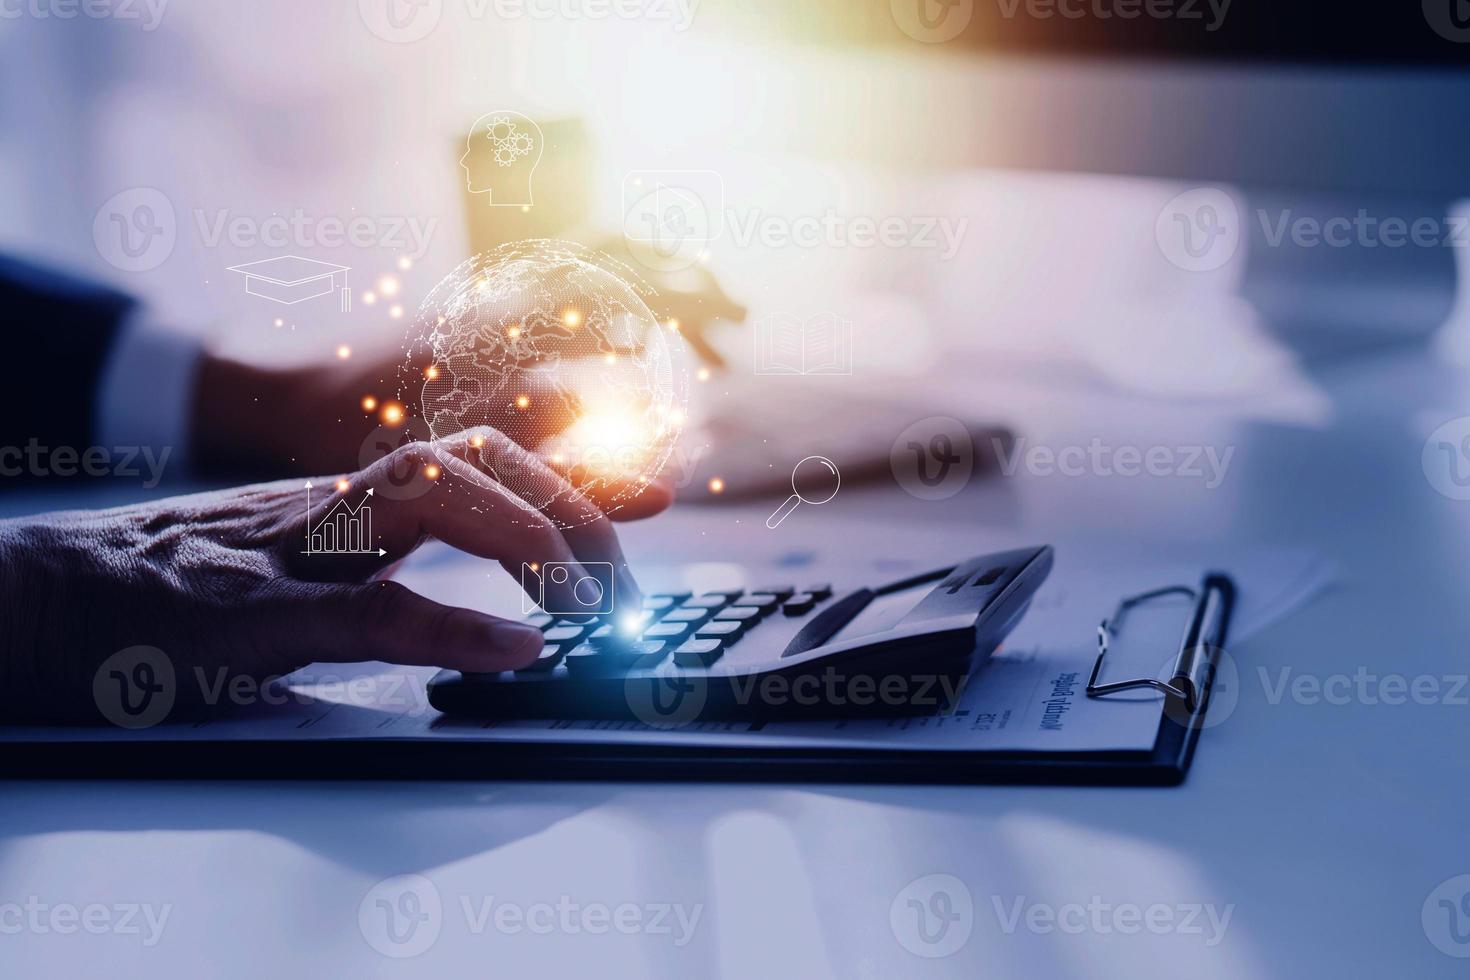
(343, 530)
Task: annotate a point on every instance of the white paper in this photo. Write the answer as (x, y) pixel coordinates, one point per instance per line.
(1029, 697)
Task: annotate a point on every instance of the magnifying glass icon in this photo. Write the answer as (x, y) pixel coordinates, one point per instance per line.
(814, 480)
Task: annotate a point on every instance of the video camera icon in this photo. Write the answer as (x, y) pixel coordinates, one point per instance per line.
(581, 590)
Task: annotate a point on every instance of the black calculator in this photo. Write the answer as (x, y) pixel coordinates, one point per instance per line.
(777, 651)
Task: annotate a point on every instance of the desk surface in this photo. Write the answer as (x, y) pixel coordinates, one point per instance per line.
(1319, 820)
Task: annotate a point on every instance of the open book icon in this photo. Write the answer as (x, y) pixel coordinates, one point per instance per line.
(784, 344)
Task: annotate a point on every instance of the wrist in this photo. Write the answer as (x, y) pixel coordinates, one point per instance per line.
(236, 409)
(271, 422)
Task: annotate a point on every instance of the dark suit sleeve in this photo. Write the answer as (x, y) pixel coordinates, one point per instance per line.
(61, 330)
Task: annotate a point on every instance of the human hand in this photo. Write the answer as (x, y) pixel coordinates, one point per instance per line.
(249, 421)
(220, 583)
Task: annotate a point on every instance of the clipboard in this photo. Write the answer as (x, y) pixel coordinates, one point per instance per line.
(1183, 708)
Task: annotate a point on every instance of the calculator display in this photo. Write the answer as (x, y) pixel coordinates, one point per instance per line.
(883, 613)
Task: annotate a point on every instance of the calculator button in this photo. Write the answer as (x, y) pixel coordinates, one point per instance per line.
(604, 635)
(667, 631)
(820, 591)
(695, 616)
(799, 604)
(740, 614)
(565, 634)
(551, 655)
(706, 602)
(781, 591)
(675, 597)
(764, 601)
(721, 629)
(644, 654)
(655, 603)
(586, 658)
(699, 653)
(539, 620)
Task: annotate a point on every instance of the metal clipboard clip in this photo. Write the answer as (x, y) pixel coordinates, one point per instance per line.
(1204, 636)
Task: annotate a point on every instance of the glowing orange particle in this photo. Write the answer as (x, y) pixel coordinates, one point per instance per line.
(369, 403)
(673, 324)
(523, 401)
(535, 566)
(571, 318)
(392, 413)
(716, 485)
(431, 372)
(369, 298)
(477, 440)
(703, 374)
(513, 332)
(405, 263)
(343, 486)
(395, 311)
(431, 471)
(344, 352)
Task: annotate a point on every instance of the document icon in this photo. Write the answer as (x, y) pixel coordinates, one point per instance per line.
(784, 344)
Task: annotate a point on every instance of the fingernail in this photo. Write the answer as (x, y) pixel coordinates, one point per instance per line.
(514, 644)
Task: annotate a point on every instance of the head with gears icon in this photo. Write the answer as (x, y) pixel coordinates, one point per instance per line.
(500, 157)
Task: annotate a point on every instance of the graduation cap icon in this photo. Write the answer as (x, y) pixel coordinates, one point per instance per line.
(292, 279)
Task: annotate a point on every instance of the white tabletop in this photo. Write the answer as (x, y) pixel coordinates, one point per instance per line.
(1311, 838)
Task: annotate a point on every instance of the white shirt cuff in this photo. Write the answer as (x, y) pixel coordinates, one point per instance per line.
(146, 389)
